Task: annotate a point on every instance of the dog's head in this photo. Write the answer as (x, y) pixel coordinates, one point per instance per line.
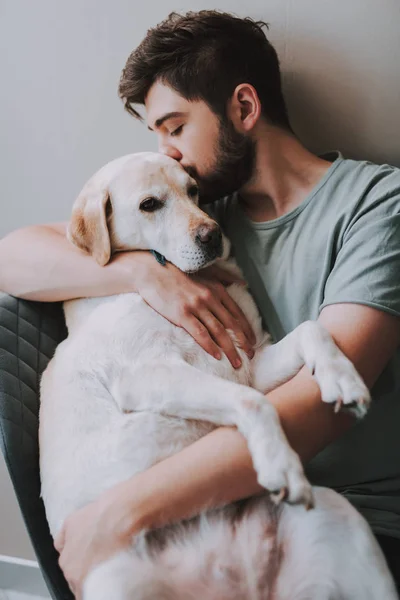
(145, 201)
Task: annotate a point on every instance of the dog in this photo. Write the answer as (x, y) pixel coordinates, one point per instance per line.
(112, 393)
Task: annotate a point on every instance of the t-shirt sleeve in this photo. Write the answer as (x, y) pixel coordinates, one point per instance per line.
(367, 267)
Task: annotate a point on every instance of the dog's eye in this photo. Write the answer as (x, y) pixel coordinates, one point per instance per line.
(193, 191)
(150, 205)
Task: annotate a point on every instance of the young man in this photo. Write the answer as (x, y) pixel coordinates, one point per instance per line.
(316, 237)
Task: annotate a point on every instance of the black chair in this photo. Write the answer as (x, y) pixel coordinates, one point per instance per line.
(29, 334)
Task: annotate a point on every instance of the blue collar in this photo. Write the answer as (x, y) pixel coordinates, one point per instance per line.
(159, 257)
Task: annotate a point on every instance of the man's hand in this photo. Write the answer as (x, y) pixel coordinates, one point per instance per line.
(199, 304)
(90, 536)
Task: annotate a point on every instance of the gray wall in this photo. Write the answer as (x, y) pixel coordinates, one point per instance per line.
(61, 119)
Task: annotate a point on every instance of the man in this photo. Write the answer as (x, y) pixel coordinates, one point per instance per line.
(316, 237)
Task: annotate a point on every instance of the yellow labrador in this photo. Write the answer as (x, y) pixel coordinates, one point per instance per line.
(112, 392)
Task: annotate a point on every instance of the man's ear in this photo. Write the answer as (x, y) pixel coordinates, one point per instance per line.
(88, 228)
(244, 107)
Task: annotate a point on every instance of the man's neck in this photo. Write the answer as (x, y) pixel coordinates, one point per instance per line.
(285, 174)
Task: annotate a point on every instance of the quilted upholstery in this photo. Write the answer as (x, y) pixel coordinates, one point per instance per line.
(29, 334)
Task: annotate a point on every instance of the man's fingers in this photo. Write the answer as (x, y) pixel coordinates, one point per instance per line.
(74, 589)
(220, 335)
(200, 333)
(60, 540)
(229, 322)
(238, 314)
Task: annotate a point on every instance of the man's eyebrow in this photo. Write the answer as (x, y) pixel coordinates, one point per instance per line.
(170, 115)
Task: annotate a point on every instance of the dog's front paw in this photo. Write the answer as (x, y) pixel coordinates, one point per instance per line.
(342, 386)
(284, 478)
(279, 469)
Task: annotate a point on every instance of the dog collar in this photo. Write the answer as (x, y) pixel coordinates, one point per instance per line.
(159, 257)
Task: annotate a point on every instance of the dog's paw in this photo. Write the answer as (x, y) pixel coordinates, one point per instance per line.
(341, 385)
(283, 477)
(279, 469)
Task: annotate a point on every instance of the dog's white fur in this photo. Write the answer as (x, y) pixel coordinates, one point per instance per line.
(127, 388)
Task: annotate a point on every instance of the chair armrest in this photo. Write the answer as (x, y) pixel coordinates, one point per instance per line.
(29, 334)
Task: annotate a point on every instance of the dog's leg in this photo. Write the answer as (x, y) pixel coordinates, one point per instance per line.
(311, 345)
(178, 389)
(330, 554)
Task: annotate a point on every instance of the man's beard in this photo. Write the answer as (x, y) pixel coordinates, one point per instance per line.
(234, 165)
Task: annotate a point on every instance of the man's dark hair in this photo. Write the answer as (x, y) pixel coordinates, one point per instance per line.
(204, 56)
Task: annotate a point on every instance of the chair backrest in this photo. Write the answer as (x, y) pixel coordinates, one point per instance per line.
(29, 334)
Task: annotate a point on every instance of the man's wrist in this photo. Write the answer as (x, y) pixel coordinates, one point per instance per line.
(132, 269)
(131, 512)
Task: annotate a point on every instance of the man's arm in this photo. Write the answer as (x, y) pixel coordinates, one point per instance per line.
(39, 263)
(217, 469)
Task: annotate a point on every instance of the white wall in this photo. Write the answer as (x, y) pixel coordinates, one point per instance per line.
(61, 119)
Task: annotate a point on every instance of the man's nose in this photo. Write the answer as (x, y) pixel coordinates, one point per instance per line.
(171, 151)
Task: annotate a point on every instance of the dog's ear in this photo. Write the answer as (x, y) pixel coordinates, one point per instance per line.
(88, 228)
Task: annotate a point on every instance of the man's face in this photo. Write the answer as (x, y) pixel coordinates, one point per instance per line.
(212, 151)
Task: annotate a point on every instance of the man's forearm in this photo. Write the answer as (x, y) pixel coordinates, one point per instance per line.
(38, 263)
(218, 469)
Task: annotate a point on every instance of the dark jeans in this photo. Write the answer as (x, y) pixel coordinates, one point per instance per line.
(391, 549)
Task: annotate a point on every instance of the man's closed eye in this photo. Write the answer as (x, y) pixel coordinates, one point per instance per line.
(176, 131)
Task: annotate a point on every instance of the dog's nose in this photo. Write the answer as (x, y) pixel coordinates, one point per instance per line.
(209, 236)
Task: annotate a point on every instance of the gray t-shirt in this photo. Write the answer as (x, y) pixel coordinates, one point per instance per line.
(342, 244)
